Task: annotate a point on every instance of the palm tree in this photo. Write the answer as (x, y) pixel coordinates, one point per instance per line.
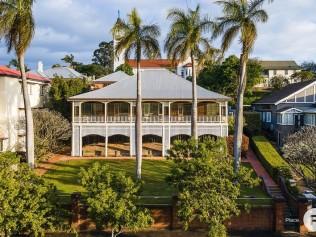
(185, 39)
(17, 29)
(240, 19)
(140, 40)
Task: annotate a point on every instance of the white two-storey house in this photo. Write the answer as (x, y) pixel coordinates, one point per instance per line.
(105, 117)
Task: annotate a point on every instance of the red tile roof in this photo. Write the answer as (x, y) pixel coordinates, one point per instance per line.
(5, 71)
(152, 63)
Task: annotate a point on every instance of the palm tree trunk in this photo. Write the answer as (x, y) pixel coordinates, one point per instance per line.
(138, 125)
(194, 134)
(240, 111)
(29, 136)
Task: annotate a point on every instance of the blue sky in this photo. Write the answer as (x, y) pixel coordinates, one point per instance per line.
(77, 26)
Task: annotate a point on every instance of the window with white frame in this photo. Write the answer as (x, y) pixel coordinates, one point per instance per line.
(288, 119)
(279, 119)
(310, 119)
(266, 117)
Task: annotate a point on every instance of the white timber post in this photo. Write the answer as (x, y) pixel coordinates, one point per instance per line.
(220, 112)
(163, 130)
(131, 136)
(106, 130)
(80, 118)
(80, 140)
(169, 123)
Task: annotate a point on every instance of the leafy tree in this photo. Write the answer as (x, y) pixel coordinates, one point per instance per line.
(185, 39)
(70, 59)
(207, 184)
(277, 82)
(112, 199)
(104, 55)
(15, 63)
(51, 130)
(27, 203)
(309, 66)
(303, 76)
(56, 65)
(125, 68)
(61, 90)
(239, 20)
(300, 152)
(17, 27)
(223, 77)
(93, 70)
(142, 40)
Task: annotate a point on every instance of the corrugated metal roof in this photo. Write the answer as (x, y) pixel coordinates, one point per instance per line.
(14, 73)
(156, 84)
(152, 63)
(113, 77)
(279, 65)
(64, 72)
(284, 92)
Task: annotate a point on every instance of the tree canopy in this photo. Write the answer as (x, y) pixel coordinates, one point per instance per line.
(28, 206)
(207, 186)
(125, 68)
(112, 199)
(104, 55)
(277, 82)
(61, 89)
(223, 77)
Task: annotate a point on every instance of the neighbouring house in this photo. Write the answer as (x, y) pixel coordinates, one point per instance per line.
(12, 129)
(64, 72)
(277, 68)
(284, 111)
(103, 120)
(109, 79)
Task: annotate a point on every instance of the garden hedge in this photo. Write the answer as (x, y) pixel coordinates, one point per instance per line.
(270, 158)
(252, 124)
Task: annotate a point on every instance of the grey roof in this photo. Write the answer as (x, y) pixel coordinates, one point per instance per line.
(156, 84)
(284, 92)
(280, 65)
(64, 72)
(113, 77)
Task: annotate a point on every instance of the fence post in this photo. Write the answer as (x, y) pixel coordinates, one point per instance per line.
(75, 209)
(279, 207)
(303, 206)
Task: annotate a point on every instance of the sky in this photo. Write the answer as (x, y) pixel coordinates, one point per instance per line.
(78, 26)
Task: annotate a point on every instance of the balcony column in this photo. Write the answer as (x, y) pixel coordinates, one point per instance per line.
(106, 130)
(220, 112)
(80, 118)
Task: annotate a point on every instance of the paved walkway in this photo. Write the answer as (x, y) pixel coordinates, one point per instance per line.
(259, 169)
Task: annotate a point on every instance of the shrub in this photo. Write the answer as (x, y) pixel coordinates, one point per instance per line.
(270, 158)
(51, 132)
(244, 145)
(252, 124)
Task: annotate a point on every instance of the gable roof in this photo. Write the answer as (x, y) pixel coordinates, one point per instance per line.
(6, 71)
(281, 65)
(156, 84)
(284, 92)
(113, 77)
(152, 63)
(65, 72)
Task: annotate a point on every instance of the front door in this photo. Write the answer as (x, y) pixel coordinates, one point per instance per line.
(298, 120)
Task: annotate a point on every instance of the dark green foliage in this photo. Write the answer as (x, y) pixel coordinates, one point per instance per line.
(270, 158)
(309, 66)
(207, 185)
(277, 82)
(303, 76)
(51, 132)
(252, 124)
(61, 89)
(93, 70)
(125, 68)
(104, 55)
(223, 78)
(27, 203)
(112, 198)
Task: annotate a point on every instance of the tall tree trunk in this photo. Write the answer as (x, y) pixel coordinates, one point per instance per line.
(28, 115)
(194, 134)
(138, 125)
(240, 111)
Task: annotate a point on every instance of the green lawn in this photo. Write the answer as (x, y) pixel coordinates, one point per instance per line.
(66, 177)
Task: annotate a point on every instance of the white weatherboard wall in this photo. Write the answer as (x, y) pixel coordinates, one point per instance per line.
(12, 109)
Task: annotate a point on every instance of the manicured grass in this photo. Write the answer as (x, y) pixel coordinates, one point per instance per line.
(66, 176)
(269, 156)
